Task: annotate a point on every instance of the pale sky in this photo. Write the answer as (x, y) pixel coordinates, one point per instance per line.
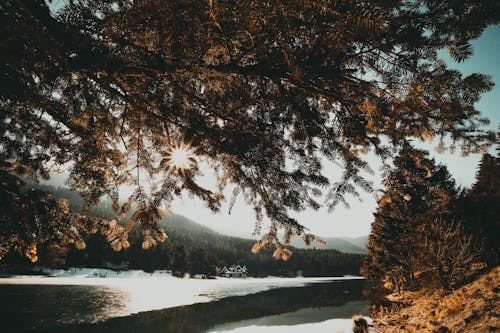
(356, 221)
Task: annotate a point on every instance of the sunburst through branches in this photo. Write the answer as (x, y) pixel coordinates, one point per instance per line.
(179, 157)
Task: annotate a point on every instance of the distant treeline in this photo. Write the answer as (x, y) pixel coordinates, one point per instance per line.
(190, 248)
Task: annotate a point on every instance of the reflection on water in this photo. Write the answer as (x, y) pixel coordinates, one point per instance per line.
(300, 320)
(330, 326)
(27, 306)
(235, 305)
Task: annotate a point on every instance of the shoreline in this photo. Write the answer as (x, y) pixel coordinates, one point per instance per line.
(76, 275)
(474, 307)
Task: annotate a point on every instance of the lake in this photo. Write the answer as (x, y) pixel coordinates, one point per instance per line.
(161, 303)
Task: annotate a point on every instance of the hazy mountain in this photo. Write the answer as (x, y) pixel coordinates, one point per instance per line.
(361, 242)
(178, 224)
(182, 228)
(342, 244)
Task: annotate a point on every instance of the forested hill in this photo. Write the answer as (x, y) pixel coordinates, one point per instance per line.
(182, 224)
(185, 226)
(182, 230)
(342, 244)
(192, 248)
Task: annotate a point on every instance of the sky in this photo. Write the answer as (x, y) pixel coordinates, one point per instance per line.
(356, 220)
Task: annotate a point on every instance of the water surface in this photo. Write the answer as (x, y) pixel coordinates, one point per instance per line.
(166, 304)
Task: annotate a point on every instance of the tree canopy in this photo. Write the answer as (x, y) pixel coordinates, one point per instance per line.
(263, 93)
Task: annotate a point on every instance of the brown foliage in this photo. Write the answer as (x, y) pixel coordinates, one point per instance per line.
(263, 90)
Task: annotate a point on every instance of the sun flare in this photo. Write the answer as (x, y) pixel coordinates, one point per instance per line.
(180, 156)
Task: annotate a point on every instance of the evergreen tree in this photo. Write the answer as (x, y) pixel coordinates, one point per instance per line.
(260, 92)
(417, 191)
(178, 261)
(481, 205)
(200, 262)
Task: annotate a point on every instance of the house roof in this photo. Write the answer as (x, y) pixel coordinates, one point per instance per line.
(235, 269)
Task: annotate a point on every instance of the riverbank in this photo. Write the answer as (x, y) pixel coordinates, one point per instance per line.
(86, 272)
(83, 275)
(473, 308)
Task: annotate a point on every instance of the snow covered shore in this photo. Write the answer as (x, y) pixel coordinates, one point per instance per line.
(76, 275)
(142, 291)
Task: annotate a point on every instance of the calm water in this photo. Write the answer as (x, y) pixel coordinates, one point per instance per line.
(165, 304)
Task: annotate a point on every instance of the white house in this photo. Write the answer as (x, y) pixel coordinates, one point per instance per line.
(235, 271)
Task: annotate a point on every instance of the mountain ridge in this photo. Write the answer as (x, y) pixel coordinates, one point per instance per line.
(356, 245)
(342, 244)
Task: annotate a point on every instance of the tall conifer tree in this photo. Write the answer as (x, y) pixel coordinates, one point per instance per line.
(481, 205)
(417, 192)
